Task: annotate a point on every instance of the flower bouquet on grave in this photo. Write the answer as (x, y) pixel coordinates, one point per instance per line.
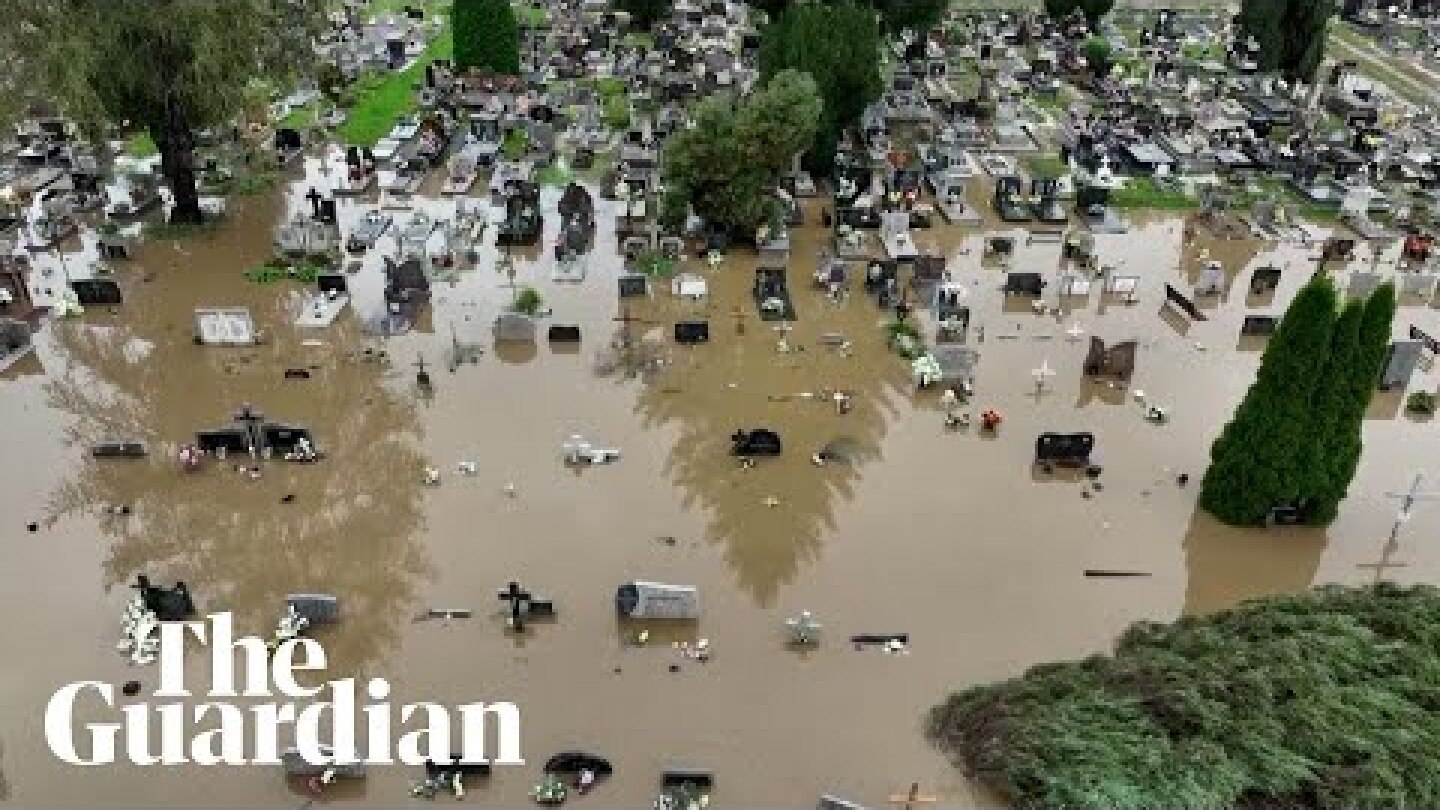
(926, 370)
(683, 797)
(550, 791)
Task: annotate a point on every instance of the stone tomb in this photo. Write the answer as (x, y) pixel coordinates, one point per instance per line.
(224, 326)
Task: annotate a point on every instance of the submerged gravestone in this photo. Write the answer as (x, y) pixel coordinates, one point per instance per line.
(224, 326)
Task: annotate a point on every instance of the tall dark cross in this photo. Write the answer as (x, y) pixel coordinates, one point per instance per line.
(314, 197)
(422, 375)
(519, 600)
(253, 422)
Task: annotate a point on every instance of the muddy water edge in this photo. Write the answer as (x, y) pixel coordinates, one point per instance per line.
(948, 536)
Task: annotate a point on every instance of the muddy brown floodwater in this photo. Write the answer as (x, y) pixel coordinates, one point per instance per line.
(948, 536)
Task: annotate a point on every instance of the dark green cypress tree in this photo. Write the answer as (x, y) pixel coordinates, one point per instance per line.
(1290, 33)
(1355, 374)
(645, 13)
(1305, 26)
(486, 36)
(1336, 440)
(1093, 10)
(838, 45)
(1264, 21)
(1266, 455)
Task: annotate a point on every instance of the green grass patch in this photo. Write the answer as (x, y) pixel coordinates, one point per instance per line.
(638, 39)
(656, 264)
(609, 87)
(616, 113)
(164, 229)
(140, 145)
(271, 273)
(553, 175)
(1143, 192)
(255, 182)
(515, 144)
(1045, 166)
(302, 117)
(381, 105)
(530, 17)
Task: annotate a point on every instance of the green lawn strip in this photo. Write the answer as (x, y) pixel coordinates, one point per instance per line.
(1045, 166)
(1144, 193)
(1408, 83)
(300, 117)
(638, 39)
(377, 110)
(530, 17)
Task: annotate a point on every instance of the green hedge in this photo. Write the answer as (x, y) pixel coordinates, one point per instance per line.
(1328, 700)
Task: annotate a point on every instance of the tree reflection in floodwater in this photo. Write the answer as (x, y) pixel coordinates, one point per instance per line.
(347, 525)
(772, 519)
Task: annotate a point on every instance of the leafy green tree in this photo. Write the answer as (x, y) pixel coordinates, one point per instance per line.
(727, 166)
(838, 46)
(1265, 457)
(486, 36)
(645, 13)
(170, 67)
(1094, 10)
(1322, 700)
(1290, 34)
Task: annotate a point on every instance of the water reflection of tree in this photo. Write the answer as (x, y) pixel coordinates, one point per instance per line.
(766, 546)
(1226, 565)
(239, 547)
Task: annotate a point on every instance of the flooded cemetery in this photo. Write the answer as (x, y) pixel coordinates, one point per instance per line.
(723, 511)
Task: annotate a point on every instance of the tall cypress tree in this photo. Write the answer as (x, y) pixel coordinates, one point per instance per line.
(1265, 456)
(1355, 372)
(1290, 33)
(1335, 440)
(1305, 27)
(486, 36)
(645, 13)
(839, 47)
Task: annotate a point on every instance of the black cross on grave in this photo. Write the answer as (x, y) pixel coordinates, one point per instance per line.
(314, 197)
(519, 598)
(525, 607)
(253, 422)
(422, 376)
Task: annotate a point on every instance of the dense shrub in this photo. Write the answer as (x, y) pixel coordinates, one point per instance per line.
(1327, 700)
